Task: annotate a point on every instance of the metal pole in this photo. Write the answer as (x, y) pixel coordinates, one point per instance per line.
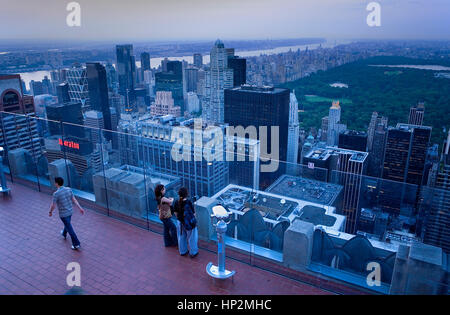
(4, 186)
(221, 230)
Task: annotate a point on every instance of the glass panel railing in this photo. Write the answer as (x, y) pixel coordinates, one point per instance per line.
(22, 145)
(315, 225)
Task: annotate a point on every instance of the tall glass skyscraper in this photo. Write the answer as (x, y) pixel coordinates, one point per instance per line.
(172, 81)
(145, 61)
(218, 78)
(261, 106)
(98, 91)
(126, 70)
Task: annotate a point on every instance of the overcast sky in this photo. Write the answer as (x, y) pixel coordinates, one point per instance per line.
(226, 19)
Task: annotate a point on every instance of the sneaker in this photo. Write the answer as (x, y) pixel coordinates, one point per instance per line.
(75, 247)
(62, 234)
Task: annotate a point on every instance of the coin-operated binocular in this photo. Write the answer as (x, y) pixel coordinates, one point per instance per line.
(3, 184)
(220, 218)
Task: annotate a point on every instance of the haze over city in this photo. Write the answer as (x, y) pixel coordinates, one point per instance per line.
(136, 20)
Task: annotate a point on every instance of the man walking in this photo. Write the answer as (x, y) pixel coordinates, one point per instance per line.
(63, 198)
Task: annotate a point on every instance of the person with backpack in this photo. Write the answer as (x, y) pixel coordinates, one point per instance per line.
(187, 224)
(165, 215)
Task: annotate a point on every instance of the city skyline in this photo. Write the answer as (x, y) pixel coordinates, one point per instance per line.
(148, 20)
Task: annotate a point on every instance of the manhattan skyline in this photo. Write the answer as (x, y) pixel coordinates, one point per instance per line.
(205, 20)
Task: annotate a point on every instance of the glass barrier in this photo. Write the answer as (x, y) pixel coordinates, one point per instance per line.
(313, 225)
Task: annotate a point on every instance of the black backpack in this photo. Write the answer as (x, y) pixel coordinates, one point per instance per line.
(189, 222)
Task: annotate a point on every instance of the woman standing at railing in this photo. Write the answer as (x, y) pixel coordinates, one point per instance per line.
(165, 215)
(186, 225)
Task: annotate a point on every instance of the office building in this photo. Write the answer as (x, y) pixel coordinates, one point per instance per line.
(406, 151)
(376, 152)
(192, 103)
(375, 122)
(191, 75)
(262, 106)
(18, 128)
(111, 78)
(293, 136)
(145, 61)
(334, 125)
(198, 60)
(98, 91)
(403, 167)
(243, 156)
(416, 114)
(36, 88)
(171, 80)
(94, 122)
(154, 150)
(62, 91)
(218, 78)
(353, 140)
(69, 113)
(324, 129)
(346, 168)
(164, 105)
(437, 219)
(126, 73)
(239, 66)
(78, 86)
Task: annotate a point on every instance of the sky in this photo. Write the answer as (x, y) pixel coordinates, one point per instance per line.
(151, 20)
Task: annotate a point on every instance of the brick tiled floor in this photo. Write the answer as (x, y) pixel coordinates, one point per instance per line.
(116, 258)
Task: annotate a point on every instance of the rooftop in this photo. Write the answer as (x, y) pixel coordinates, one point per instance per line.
(306, 189)
(323, 154)
(115, 258)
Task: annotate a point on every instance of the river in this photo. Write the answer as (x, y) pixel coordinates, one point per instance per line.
(155, 62)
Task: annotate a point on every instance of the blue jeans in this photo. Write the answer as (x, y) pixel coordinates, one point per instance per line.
(187, 238)
(170, 232)
(69, 229)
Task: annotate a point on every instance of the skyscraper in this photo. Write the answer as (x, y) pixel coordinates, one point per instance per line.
(324, 127)
(98, 91)
(164, 105)
(78, 86)
(17, 131)
(293, 135)
(261, 106)
(145, 61)
(198, 60)
(334, 125)
(345, 167)
(126, 70)
(353, 140)
(62, 91)
(172, 81)
(406, 151)
(404, 163)
(94, 120)
(416, 114)
(375, 122)
(191, 75)
(239, 66)
(69, 112)
(376, 153)
(218, 78)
